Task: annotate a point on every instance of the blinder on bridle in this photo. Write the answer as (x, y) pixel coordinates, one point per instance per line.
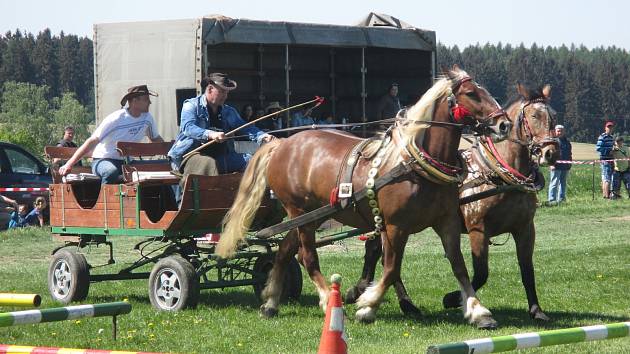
(535, 146)
(461, 115)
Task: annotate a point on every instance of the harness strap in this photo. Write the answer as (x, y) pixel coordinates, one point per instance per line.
(489, 193)
(328, 210)
(344, 179)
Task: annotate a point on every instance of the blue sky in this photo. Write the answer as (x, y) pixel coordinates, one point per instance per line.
(551, 22)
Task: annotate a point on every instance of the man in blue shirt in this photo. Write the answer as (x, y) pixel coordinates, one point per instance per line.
(206, 118)
(559, 172)
(604, 147)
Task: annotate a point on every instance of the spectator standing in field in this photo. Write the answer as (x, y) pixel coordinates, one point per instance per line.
(559, 172)
(389, 105)
(622, 169)
(604, 147)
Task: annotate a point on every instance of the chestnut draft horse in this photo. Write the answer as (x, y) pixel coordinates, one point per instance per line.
(511, 166)
(303, 170)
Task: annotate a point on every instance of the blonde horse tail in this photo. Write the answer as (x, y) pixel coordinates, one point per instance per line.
(251, 191)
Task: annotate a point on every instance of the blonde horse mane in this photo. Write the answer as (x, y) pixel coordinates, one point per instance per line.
(422, 111)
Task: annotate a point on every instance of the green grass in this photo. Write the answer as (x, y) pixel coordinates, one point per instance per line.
(582, 263)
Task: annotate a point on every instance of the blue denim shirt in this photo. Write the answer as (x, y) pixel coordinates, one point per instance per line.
(193, 132)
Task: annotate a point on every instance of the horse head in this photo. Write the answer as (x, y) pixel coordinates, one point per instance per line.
(534, 124)
(471, 104)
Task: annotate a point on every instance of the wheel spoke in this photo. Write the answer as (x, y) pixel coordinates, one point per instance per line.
(164, 278)
(169, 301)
(174, 281)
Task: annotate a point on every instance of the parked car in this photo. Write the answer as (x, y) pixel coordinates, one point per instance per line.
(21, 169)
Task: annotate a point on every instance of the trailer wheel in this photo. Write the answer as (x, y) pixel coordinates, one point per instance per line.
(68, 277)
(292, 288)
(173, 284)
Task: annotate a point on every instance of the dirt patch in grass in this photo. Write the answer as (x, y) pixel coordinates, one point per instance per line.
(620, 218)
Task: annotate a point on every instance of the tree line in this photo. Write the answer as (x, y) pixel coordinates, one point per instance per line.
(46, 83)
(589, 86)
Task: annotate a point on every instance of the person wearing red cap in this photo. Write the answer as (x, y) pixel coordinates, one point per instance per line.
(605, 145)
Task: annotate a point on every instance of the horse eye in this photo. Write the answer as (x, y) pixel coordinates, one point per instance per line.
(471, 94)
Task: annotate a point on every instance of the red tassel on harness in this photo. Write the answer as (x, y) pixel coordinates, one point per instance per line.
(460, 112)
(334, 196)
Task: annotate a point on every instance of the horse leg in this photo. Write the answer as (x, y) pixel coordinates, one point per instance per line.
(474, 311)
(394, 241)
(310, 261)
(525, 239)
(373, 251)
(479, 245)
(273, 289)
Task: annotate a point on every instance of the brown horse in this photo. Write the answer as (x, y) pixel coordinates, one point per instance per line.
(509, 163)
(303, 170)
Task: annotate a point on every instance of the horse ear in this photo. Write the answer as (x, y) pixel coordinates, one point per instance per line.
(456, 67)
(520, 88)
(546, 91)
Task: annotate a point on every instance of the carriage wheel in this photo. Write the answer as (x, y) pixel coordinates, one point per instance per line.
(68, 277)
(173, 284)
(292, 288)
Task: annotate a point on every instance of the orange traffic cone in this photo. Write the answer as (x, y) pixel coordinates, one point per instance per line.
(334, 338)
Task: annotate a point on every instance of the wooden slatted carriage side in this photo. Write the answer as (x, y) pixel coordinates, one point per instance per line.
(144, 207)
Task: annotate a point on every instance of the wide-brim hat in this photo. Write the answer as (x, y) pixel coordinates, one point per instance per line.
(136, 91)
(273, 105)
(222, 80)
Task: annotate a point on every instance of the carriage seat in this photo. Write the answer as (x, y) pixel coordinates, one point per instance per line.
(146, 163)
(79, 173)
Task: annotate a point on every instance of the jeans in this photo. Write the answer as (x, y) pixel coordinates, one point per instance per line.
(619, 177)
(558, 185)
(110, 170)
(607, 171)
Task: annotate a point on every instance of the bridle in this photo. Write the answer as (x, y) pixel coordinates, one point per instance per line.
(431, 168)
(534, 148)
(459, 114)
(533, 144)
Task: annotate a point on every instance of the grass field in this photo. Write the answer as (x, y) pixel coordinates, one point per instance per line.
(582, 262)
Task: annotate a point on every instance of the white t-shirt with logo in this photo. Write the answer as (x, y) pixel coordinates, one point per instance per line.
(122, 126)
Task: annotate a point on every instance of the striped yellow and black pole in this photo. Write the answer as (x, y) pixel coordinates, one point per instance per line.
(22, 349)
(20, 300)
(534, 339)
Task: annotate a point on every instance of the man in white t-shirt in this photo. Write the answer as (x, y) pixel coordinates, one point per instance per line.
(130, 124)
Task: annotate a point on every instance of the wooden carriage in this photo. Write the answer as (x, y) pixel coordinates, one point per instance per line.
(86, 213)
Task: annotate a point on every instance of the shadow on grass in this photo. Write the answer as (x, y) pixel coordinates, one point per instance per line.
(508, 317)
(215, 298)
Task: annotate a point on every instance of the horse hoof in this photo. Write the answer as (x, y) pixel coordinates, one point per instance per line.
(268, 312)
(352, 295)
(365, 315)
(538, 315)
(452, 300)
(487, 323)
(409, 309)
